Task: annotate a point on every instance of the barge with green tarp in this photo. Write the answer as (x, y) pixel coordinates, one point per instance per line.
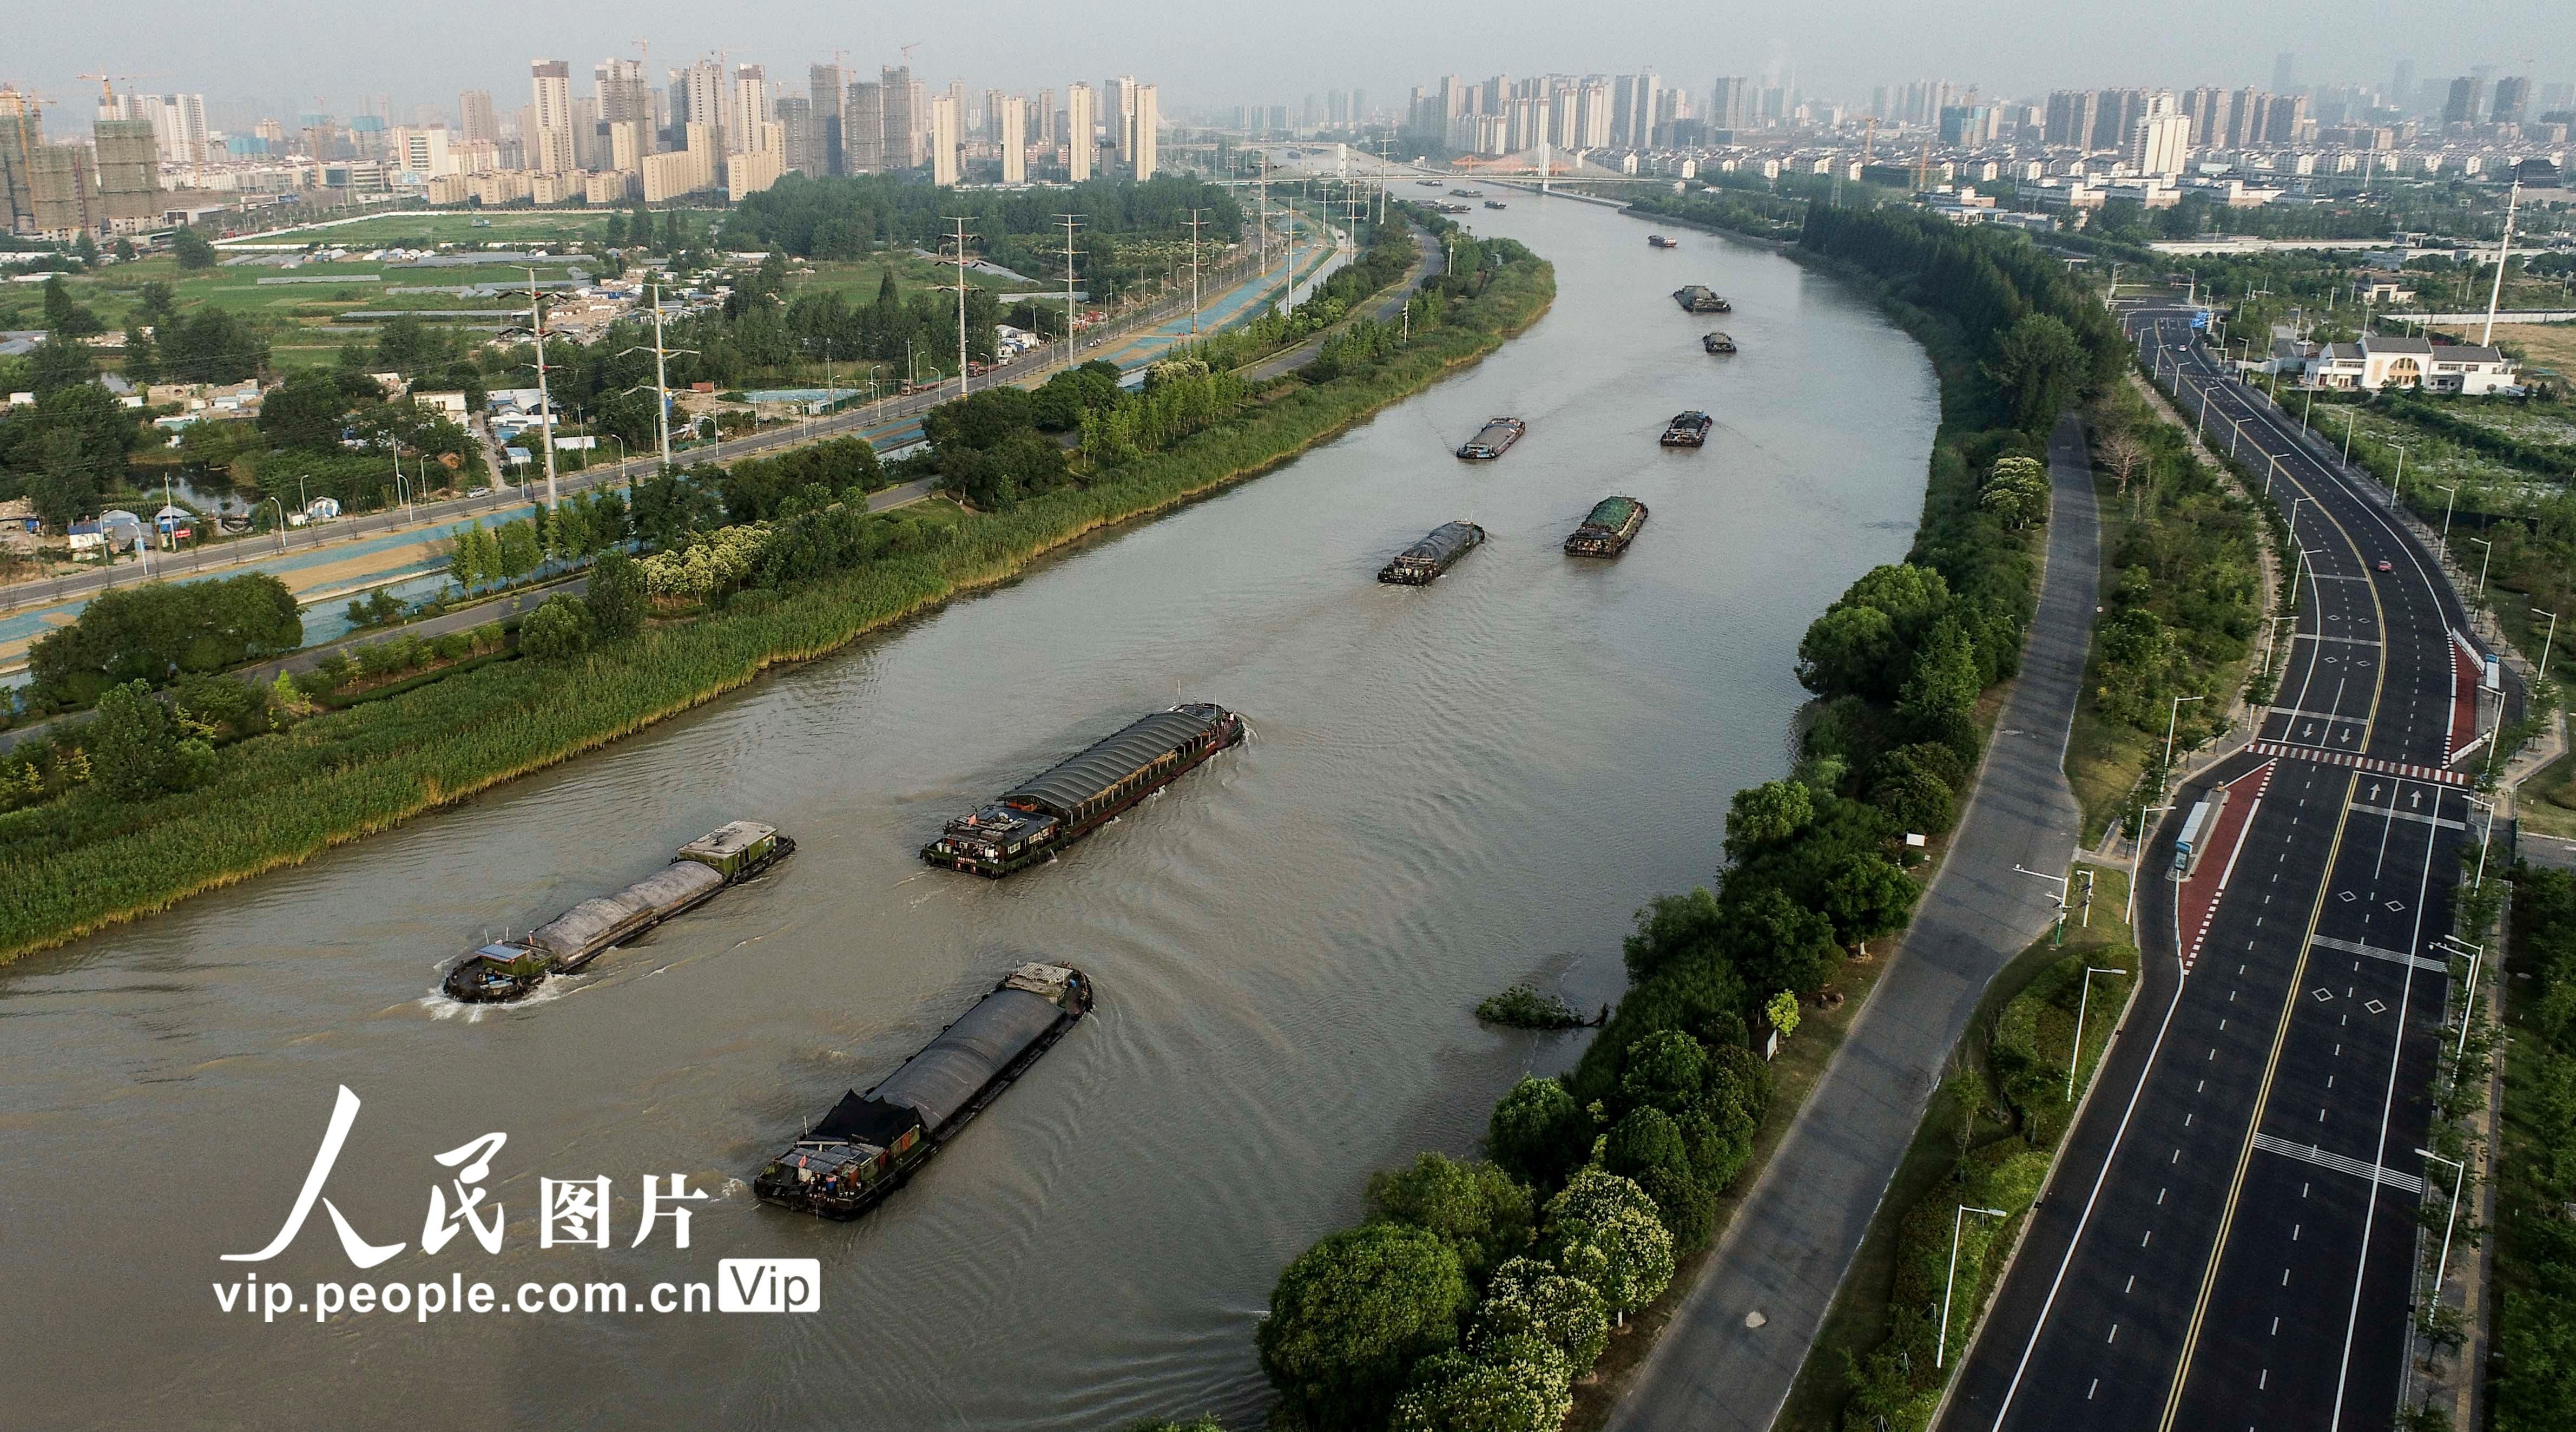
(871, 1143)
(1608, 531)
(1700, 298)
(1422, 563)
(1071, 799)
(511, 969)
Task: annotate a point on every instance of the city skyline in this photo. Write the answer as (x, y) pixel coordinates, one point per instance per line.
(2089, 43)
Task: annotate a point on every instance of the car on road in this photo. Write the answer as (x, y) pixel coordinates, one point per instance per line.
(480, 492)
(2387, 566)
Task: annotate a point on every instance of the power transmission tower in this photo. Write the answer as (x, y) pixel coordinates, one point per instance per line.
(961, 237)
(1195, 223)
(661, 382)
(545, 403)
(1069, 221)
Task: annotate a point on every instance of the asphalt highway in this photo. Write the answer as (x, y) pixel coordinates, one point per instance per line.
(2230, 1238)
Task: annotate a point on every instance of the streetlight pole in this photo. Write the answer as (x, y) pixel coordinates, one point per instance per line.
(2348, 415)
(2060, 882)
(2459, 1180)
(2546, 640)
(1943, 1350)
(2172, 718)
(2075, 1056)
(2484, 563)
(2446, 510)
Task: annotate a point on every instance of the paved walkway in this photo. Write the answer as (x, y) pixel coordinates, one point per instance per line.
(1428, 264)
(1791, 1244)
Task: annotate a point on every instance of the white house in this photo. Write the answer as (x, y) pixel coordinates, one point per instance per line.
(2379, 361)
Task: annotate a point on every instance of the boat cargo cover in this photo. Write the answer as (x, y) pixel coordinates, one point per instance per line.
(1611, 513)
(1442, 540)
(951, 1070)
(592, 923)
(1064, 787)
(728, 840)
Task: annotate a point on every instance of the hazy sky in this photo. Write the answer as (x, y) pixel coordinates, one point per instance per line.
(1216, 53)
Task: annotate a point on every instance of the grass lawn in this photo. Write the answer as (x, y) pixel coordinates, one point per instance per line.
(2543, 345)
(2546, 804)
(453, 227)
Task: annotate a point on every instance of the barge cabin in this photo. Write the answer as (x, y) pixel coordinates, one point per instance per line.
(1493, 440)
(1699, 298)
(1075, 797)
(1422, 563)
(1688, 429)
(728, 855)
(1658, 241)
(870, 1144)
(1717, 343)
(1608, 531)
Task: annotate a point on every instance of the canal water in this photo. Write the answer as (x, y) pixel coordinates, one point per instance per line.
(1448, 789)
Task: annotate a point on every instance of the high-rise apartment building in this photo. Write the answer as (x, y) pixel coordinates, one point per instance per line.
(1731, 106)
(1045, 120)
(423, 150)
(747, 108)
(2160, 139)
(2468, 103)
(549, 115)
(1081, 131)
(2285, 72)
(624, 122)
(2211, 111)
(2071, 118)
(1142, 134)
(1122, 117)
(907, 118)
(129, 174)
(825, 87)
(946, 131)
(1014, 136)
(2512, 98)
(698, 97)
(21, 135)
(1632, 110)
(863, 129)
(795, 125)
(474, 108)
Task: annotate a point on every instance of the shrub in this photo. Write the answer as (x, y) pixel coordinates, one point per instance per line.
(1352, 1315)
(558, 629)
(1521, 1007)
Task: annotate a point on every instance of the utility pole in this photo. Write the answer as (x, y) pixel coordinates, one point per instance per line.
(1195, 223)
(961, 237)
(1068, 220)
(661, 384)
(2503, 246)
(545, 403)
(1261, 191)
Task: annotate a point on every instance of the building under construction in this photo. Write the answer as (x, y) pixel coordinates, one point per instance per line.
(21, 135)
(61, 191)
(129, 175)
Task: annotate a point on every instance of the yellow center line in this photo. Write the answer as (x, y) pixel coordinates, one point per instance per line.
(2298, 972)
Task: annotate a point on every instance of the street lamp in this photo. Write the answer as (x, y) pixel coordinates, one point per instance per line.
(2348, 415)
(2459, 1180)
(2171, 719)
(1956, 1219)
(2483, 563)
(2075, 1056)
(2060, 882)
(2446, 511)
(2546, 640)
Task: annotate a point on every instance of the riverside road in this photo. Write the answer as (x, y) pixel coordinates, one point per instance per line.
(2230, 1239)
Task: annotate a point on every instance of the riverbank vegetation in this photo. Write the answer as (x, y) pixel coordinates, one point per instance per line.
(2535, 1259)
(1522, 1007)
(83, 859)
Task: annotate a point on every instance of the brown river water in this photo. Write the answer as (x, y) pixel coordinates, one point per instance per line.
(1448, 788)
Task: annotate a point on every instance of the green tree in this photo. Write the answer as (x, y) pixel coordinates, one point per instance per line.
(465, 558)
(66, 317)
(192, 250)
(1666, 1070)
(1777, 943)
(1514, 1383)
(1669, 928)
(1353, 1314)
(1940, 698)
(557, 629)
(135, 748)
(2039, 367)
(1868, 897)
(1766, 815)
(1527, 1296)
(57, 365)
(519, 551)
(616, 595)
(1782, 1011)
(1537, 1133)
(1606, 1231)
(1476, 1209)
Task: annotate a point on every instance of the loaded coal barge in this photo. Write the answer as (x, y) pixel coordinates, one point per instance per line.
(870, 1144)
(1699, 298)
(1073, 798)
(1658, 241)
(512, 969)
(1687, 429)
(1493, 440)
(1608, 531)
(1422, 563)
(1717, 343)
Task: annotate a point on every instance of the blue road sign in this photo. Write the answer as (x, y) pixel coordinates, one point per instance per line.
(2200, 318)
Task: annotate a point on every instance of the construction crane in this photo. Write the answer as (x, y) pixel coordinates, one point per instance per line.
(907, 53)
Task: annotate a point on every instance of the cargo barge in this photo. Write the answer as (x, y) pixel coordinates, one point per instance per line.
(1717, 343)
(1493, 440)
(1073, 798)
(1658, 241)
(1608, 531)
(1699, 298)
(870, 1144)
(1688, 429)
(1422, 563)
(1493, 203)
(512, 969)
